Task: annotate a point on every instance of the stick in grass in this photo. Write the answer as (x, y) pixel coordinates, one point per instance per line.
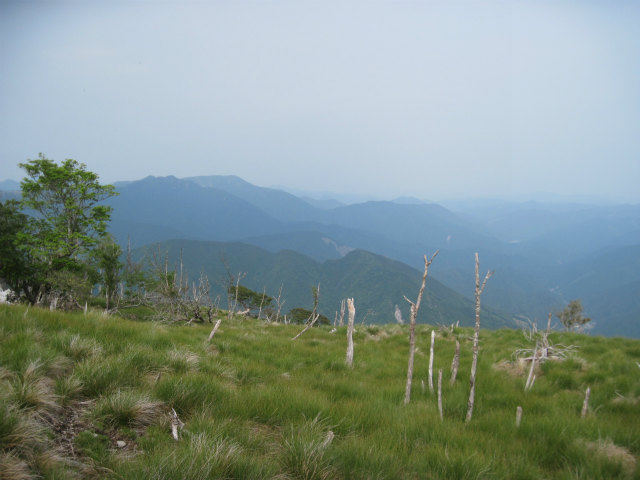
(215, 329)
(585, 405)
(518, 415)
(440, 394)
(455, 363)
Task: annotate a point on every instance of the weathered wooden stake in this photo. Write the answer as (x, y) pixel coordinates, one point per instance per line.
(215, 329)
(476, 335)
(455, 363)
(585, 405)
(440, 394)
(352, 317)
(518, 415)
(412, 328)
(433, 337)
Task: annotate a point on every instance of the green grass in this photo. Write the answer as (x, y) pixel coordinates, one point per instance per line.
(257, 405)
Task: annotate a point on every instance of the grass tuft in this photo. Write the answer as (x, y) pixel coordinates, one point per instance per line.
(127, 409)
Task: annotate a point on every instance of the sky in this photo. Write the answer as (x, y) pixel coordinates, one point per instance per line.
(431, 99)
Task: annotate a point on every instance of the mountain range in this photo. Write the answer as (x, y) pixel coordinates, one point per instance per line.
(544, 254)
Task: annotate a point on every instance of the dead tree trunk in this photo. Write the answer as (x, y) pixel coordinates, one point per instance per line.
(440, 394)
(352, 319)
(314, 314)
(476, 334)
(531, 377)
(455, 363)
(433, 338)
(412, 328)
(342, 306)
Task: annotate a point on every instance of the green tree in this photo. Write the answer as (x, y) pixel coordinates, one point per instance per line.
(302, 315)
(67, 225)
(249, 298)
(16, 267)
(571, 317)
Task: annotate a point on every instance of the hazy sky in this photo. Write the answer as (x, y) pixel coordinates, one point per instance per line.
(430, 99)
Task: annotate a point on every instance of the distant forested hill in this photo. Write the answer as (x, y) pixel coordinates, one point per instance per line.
(376, 283)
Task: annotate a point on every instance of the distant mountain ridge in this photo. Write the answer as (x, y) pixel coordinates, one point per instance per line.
(544, 254)
(376, 283)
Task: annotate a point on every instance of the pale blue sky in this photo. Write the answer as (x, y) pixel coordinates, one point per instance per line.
(429, 99)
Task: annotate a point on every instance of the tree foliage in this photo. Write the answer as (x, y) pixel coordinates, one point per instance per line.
(16, 266)
(107, 254)
(48, 237)
(249, 298)
(302, 315)
(69, 217)
(571, 317)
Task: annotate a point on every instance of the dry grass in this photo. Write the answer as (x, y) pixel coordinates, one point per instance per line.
(607, 449)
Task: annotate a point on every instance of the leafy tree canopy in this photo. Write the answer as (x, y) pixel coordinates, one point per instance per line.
(249, 298)
(69, 219)
(301, 315)
(571, 317)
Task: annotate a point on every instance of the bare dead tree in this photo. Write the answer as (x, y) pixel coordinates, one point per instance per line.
(313, 318)
(476, 335)
(433, 338)
(455, 363)
(264, 294)
(173, 298)
(412, 327)
(342, 307)
(274, 316)
(352, 318)
(232, 300)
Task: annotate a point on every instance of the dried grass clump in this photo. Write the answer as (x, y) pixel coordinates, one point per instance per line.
(607, 449)
(34, 393)
(303, 452)
(80, 348)
(125, 408)
(183, 360)
(14, 468)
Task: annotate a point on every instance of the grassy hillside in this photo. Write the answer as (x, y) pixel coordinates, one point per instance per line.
(91, 396)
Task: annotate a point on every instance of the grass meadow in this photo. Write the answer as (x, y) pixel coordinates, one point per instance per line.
(92, 396)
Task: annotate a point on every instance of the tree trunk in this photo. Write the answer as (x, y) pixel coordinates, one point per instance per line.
(440, 394)
(476, 335)
(433, 337)
(352, 318)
